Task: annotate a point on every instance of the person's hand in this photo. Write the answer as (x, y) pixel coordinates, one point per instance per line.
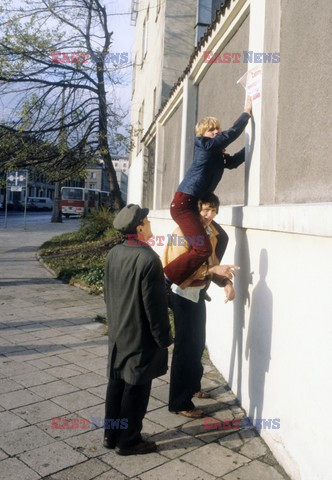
(229, 292)
(224, 270)
(248, 107)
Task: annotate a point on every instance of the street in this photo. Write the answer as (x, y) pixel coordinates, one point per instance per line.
(16, 219)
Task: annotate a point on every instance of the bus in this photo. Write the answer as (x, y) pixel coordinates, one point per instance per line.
(79, 201)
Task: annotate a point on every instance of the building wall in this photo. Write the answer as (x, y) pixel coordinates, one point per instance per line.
(219, 96)
(303, 162)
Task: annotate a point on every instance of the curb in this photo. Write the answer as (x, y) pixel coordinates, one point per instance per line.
(52, 272)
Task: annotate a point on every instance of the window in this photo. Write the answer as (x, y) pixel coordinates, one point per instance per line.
(145, 36)
(140, 127)
(158, 8)
(93, 175)
(154, 103)
(115, 164)
(134, 75)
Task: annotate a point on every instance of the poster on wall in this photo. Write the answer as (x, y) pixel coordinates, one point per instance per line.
(252, 82)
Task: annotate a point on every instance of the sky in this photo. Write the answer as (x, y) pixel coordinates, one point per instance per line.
(123, 41)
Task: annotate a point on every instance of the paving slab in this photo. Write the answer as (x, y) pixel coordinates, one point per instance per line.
(37, 412)
(255, 471)
(53, 389)
(18, 398)
(87, 380)
(3, 455)
(13, 468)
(23, 439)
(134, 464)
(35, 378)
(88, 470)
(64, 433)
(9, 421)
(175, 443)
(215, 459)
(51, 458)
(176, 469)
(7, 385)
(75, 401)
(90, 443)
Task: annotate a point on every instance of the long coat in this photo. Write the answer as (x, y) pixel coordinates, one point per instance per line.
(137, 314)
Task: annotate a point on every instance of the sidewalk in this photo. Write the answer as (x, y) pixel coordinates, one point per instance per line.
(53, 364)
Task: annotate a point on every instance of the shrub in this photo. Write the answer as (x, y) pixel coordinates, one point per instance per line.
(94, 224)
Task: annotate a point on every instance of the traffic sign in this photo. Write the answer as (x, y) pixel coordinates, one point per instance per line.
(17, 179)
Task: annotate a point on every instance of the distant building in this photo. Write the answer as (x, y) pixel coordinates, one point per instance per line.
(97, 176)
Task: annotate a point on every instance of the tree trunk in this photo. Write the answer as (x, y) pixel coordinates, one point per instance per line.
(117, 202)
(56, 213)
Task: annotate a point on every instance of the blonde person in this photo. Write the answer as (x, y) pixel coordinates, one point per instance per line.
(202, 178)
(188, 304)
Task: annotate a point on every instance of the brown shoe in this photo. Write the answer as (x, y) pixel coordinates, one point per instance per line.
(202, 394)
(194, 413)
(140, 448)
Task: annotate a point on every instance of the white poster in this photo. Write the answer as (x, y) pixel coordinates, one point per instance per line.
(252, 82)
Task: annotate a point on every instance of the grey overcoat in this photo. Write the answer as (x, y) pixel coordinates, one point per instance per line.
(137, 314)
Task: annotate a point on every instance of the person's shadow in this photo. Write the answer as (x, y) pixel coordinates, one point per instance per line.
(258, 345)
(242, 281)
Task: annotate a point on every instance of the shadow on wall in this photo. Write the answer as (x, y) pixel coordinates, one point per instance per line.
(258, 345)
(241, 284)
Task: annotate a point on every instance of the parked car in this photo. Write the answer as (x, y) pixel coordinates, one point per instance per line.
(39, 203)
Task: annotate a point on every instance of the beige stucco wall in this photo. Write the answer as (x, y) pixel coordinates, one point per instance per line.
(219, 96)
(304, 168)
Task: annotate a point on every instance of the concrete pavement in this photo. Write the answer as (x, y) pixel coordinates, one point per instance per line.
(53, 364)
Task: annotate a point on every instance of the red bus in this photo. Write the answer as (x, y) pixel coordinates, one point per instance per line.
(78, 201)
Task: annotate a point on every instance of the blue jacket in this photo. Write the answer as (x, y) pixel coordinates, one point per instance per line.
(209, 162)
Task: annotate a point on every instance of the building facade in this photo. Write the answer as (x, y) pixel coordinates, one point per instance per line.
(273, 343)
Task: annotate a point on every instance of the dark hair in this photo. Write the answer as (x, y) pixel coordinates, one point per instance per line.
(211, 199)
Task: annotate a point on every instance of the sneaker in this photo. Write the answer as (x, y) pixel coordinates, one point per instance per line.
(140, 448)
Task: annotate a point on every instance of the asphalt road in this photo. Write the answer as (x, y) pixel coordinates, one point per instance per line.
(16, 219)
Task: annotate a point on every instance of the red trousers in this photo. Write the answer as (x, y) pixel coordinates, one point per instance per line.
(184, 211)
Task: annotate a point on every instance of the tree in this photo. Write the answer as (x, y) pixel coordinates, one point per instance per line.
(48, 47)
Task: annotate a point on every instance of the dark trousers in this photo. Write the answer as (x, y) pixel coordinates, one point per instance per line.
(126, 401)
(184, 211)
(189, 343)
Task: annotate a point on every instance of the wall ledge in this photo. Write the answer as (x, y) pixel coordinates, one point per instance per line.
(305, 219)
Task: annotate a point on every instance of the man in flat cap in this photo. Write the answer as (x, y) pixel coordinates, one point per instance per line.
(138, 331)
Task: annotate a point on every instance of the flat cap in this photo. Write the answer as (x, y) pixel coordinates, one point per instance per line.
(129, 218)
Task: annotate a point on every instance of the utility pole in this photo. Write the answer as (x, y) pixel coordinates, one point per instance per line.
(56, 213)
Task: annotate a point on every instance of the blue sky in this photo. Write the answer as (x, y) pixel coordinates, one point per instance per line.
(123, 40)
